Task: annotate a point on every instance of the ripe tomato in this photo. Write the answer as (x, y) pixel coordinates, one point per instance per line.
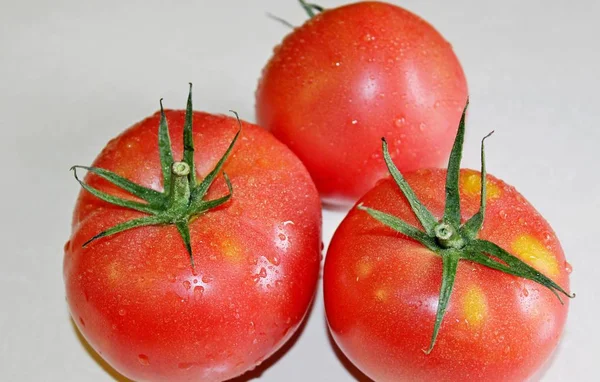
(351, 75)
(135, 295)
(383, 294)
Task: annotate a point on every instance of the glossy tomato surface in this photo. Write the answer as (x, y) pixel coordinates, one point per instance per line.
(134, 295)
(381, 289)
(352, 75)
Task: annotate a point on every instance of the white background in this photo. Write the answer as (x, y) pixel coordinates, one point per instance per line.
(73, 74)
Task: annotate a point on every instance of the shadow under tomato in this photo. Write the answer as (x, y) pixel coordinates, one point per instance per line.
(358, 375)
(96, 357)
(257, 371)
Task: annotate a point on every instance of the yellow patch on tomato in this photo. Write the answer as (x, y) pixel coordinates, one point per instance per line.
(474, 306)
(364, 268)
(381, 295)
(471, 185)
(112, 271)
(231, 250)
(534, 253)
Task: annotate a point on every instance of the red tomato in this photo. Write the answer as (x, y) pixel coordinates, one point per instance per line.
(351, 75)
(135, 296)
(382, 289)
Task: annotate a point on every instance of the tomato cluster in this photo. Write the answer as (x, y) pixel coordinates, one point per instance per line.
(196, 239)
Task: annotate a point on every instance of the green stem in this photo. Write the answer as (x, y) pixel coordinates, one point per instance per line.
(448, 237)
(180, 187)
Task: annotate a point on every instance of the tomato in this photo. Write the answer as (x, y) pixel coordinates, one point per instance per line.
(385, 291)
(351, 75)
(155, 313)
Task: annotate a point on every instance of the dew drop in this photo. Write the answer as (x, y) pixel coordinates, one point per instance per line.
(198, 292)
(195, 281)
(422, 126)
(322, 246)
(368, 37)
(354, 121)
(525, 292)
(187, 284)
(400, 122)
(185, 365)
(568, 267)
(143, 359)
(122, 312)
(503, 214)
(263, 272)
(206, 279)
(282, 237)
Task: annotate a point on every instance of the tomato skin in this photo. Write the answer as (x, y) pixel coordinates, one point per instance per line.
(352, 75)
(381, 290)
(134, 295)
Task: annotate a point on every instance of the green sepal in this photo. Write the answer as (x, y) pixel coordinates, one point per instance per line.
(199, 192)
(514, 265)
(452, 210)
(188, 139)
(472, 227)
(184, 230)
(113, 199)
(210, 204)
(164, 149)
(181, 200)
(450, 259)
(135, 223)
(401, 226)
(425, 217)
(153, 197)
(311, 8)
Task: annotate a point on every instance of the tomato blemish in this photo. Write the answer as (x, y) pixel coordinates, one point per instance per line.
(534, 253)
(471, 185)
(474, 306)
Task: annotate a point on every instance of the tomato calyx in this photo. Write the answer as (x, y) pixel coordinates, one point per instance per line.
(183, 197)
(451, 240)
(311, 8)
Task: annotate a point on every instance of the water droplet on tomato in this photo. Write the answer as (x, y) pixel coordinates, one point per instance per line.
(422, 126)
(278, 283)
(368, 37)
(144, 360)
(282, 237)
(67, 245)
(185, 365)
(354, 121)
(187, 285)
(81, 321)
(503, 214)
(206, 279)
(198, 292)
(122, 312)
(322, 246)
(400, 122)
(525, 292)
(568, 267)
(195, 281)
(275, 260)
(263, 272)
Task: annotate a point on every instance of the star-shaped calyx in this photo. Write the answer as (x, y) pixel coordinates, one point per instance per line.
(451, 240)
(184, 194)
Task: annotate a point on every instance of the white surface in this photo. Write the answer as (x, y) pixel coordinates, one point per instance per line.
(73, 74)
